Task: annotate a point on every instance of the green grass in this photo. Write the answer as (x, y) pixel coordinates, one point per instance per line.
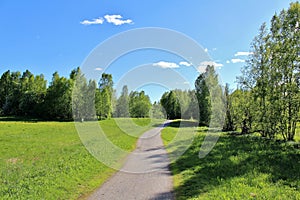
(238, 167)
(46, 160)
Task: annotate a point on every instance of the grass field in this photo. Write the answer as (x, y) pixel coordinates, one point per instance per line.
(46, 160)
(238, 167)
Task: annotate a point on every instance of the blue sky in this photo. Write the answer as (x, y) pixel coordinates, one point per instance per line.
(49, 36)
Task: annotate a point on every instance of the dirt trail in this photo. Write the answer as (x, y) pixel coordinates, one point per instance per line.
(145, 174)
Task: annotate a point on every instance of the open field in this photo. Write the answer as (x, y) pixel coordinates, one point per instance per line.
(238, 167)
(46, 160)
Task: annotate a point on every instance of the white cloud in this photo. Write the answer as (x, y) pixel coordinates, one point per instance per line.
(117, 20)
(227, 61)
(203, 65)
(206, 49)
(98, 69)
(237, 60)
(214, 49)
(243, 53)
(165, 65)
(185, 63)
(99, 20)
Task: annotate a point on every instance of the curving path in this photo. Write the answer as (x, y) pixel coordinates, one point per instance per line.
(145, 174)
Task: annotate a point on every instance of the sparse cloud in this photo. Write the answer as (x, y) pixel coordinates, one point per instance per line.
(203, 65)
(206, 49)
(214, 49)
(112, 19)
(99, 20)
(164, 64)
(117, 20)
(184, 63)
(237, 60)
(98, 69)
(243, 53)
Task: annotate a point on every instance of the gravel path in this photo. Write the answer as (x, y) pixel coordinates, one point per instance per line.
(145, 174)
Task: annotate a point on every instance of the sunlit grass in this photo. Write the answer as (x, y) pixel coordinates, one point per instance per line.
(238, 167)
(46, 160)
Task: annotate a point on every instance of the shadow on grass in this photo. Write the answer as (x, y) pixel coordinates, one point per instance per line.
(30, 119)
(183, 123)
(235, 157)
(158, 125)
(18, 119)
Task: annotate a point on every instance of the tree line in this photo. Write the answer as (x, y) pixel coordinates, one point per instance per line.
(268, 98)
(76, 98)
(27, 95)
(178, 104)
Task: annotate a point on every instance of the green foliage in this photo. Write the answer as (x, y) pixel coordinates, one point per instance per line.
(272, 75)
(139, 104)
(83, 97)
(229, 124)
(157, 111)
(192, 111)
(184, 101)
(210, 98)
(122, 107)
(171, 105)
(46, 160)
(68, 98)
(106, 93)
(57, 103)
(243, 167)
(5, 87)
(243, 110)
(33, 91)
(203, 97)
(22, 95)
(180, 104)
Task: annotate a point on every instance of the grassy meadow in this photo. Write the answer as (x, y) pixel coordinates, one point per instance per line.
(238, 167)
(46, 160)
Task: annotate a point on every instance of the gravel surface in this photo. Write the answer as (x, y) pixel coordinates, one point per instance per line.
(145, 174)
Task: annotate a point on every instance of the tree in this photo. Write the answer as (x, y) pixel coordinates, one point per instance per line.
(228, 125)
(90, 112)
(157, 111)
(5, 88)
(57, 104)
(272, 73)
(114, 100)
(12, 93)
(210, 98)
(192, 111)
(80, 95)
(203, 97)
(178, 104)
(288, 62)
(171, 105)
(98, 103)
(184, 100)
(33, 91)
(105, 108)
(256, 78)
(139, 104)
(122, 107)
(243, 110)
